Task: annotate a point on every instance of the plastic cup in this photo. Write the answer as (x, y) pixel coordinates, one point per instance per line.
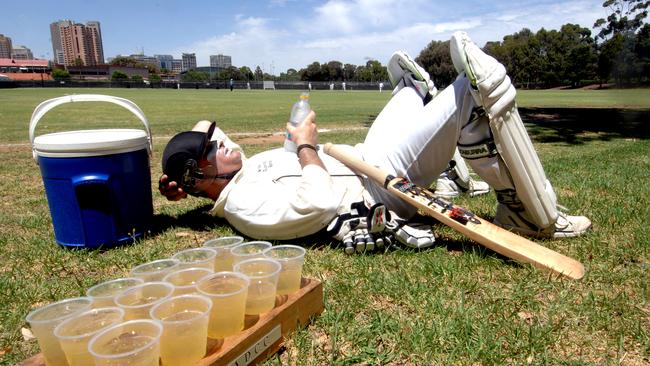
(263, 274)
(138, 300)
(185, 328)
(104, 293)
(196, 257)
(249, 250)
(223, 260)
(291, 257)
(228, 292)
(185, 280)
(75, 332)
(132, 343)
(154, 270)
(43, 321)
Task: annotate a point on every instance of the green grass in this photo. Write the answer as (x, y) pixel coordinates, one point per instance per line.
(457, 303)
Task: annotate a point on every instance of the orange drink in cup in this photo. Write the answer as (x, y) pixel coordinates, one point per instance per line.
(249, 250)
(292, 257)
(196, 257)
(75, 332)
(263, 274)
(43, 321)
(104, 293)
(132, 343)
(223, 260)
(185, 280)
(138, 300)
(154, 270)
(185, 328)
(228, 291)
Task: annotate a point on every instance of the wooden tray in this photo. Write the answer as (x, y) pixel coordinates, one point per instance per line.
(263, 335)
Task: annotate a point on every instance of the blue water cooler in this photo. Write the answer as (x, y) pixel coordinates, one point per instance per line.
(97, 182)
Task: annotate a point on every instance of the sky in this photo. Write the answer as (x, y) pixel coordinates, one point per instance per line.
(281, 34)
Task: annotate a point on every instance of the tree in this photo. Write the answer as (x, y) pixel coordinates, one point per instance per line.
(192, 75)
(155, 78)
(349, 71)
(246, 73)
(642, 50)
(618, 32)
(580, 53)
(333, 71)
(124, 61)
(312, 72)
(78, 61)
(59, 74)
(626, 16)
(436, 60)
(259, 75)
(136, 78)
(119, 76)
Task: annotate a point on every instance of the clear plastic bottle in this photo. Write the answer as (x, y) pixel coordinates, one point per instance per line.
(299, 112)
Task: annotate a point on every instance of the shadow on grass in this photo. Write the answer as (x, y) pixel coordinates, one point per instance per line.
(198, 219)
(581, 125)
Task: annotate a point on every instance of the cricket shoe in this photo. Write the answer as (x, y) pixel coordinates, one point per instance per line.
(403, 71)
(447, 187)
(491, 87)
(566, 226)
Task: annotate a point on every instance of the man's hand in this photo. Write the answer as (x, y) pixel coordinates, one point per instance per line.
(305, 132)
(170, 189)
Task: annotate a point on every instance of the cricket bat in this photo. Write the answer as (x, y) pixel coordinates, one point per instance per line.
(482, 231)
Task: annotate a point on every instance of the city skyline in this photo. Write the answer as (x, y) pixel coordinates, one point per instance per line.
(281, 34)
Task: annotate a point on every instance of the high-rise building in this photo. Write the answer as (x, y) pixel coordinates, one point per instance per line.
(165, 61)
(220, 61)
(5, 46)
(177, 66)
(22, 53)
(189, 61)
(75, 43)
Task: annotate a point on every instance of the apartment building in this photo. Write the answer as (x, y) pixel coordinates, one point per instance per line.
(220, 61)
(77, 44)
(5, 46)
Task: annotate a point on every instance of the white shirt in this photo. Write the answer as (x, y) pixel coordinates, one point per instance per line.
(272, 197)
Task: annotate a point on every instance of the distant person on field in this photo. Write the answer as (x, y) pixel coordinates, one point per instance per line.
(281, 195)
(231, 83)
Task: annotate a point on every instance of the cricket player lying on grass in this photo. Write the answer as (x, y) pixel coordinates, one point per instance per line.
(285, 195)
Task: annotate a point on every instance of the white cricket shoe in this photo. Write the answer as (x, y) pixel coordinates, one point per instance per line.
(403, 71)
(566, 226)
(446, 187)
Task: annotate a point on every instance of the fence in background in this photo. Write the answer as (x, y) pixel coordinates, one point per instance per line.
(219, 84)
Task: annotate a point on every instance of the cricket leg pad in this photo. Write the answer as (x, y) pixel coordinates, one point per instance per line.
(502, 154)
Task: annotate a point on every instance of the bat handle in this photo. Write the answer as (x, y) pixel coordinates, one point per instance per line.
(356, 164)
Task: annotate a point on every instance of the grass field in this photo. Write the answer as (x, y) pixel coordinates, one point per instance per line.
(456, 303)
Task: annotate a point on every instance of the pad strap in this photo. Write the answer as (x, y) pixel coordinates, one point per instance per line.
(483, 149)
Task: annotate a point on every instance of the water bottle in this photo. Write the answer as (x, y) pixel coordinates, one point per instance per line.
(299, 112)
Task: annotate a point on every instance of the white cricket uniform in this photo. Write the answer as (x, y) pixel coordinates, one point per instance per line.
(273, 198)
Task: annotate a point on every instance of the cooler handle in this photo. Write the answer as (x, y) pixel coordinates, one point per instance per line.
(47, 105)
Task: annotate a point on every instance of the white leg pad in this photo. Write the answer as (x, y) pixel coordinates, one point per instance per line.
(517, 151)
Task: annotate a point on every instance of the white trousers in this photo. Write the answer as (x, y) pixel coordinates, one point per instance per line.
(416, 141)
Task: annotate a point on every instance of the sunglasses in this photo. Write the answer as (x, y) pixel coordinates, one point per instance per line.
(193, 175)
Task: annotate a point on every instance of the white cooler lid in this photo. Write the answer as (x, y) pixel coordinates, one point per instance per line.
(90, 142)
